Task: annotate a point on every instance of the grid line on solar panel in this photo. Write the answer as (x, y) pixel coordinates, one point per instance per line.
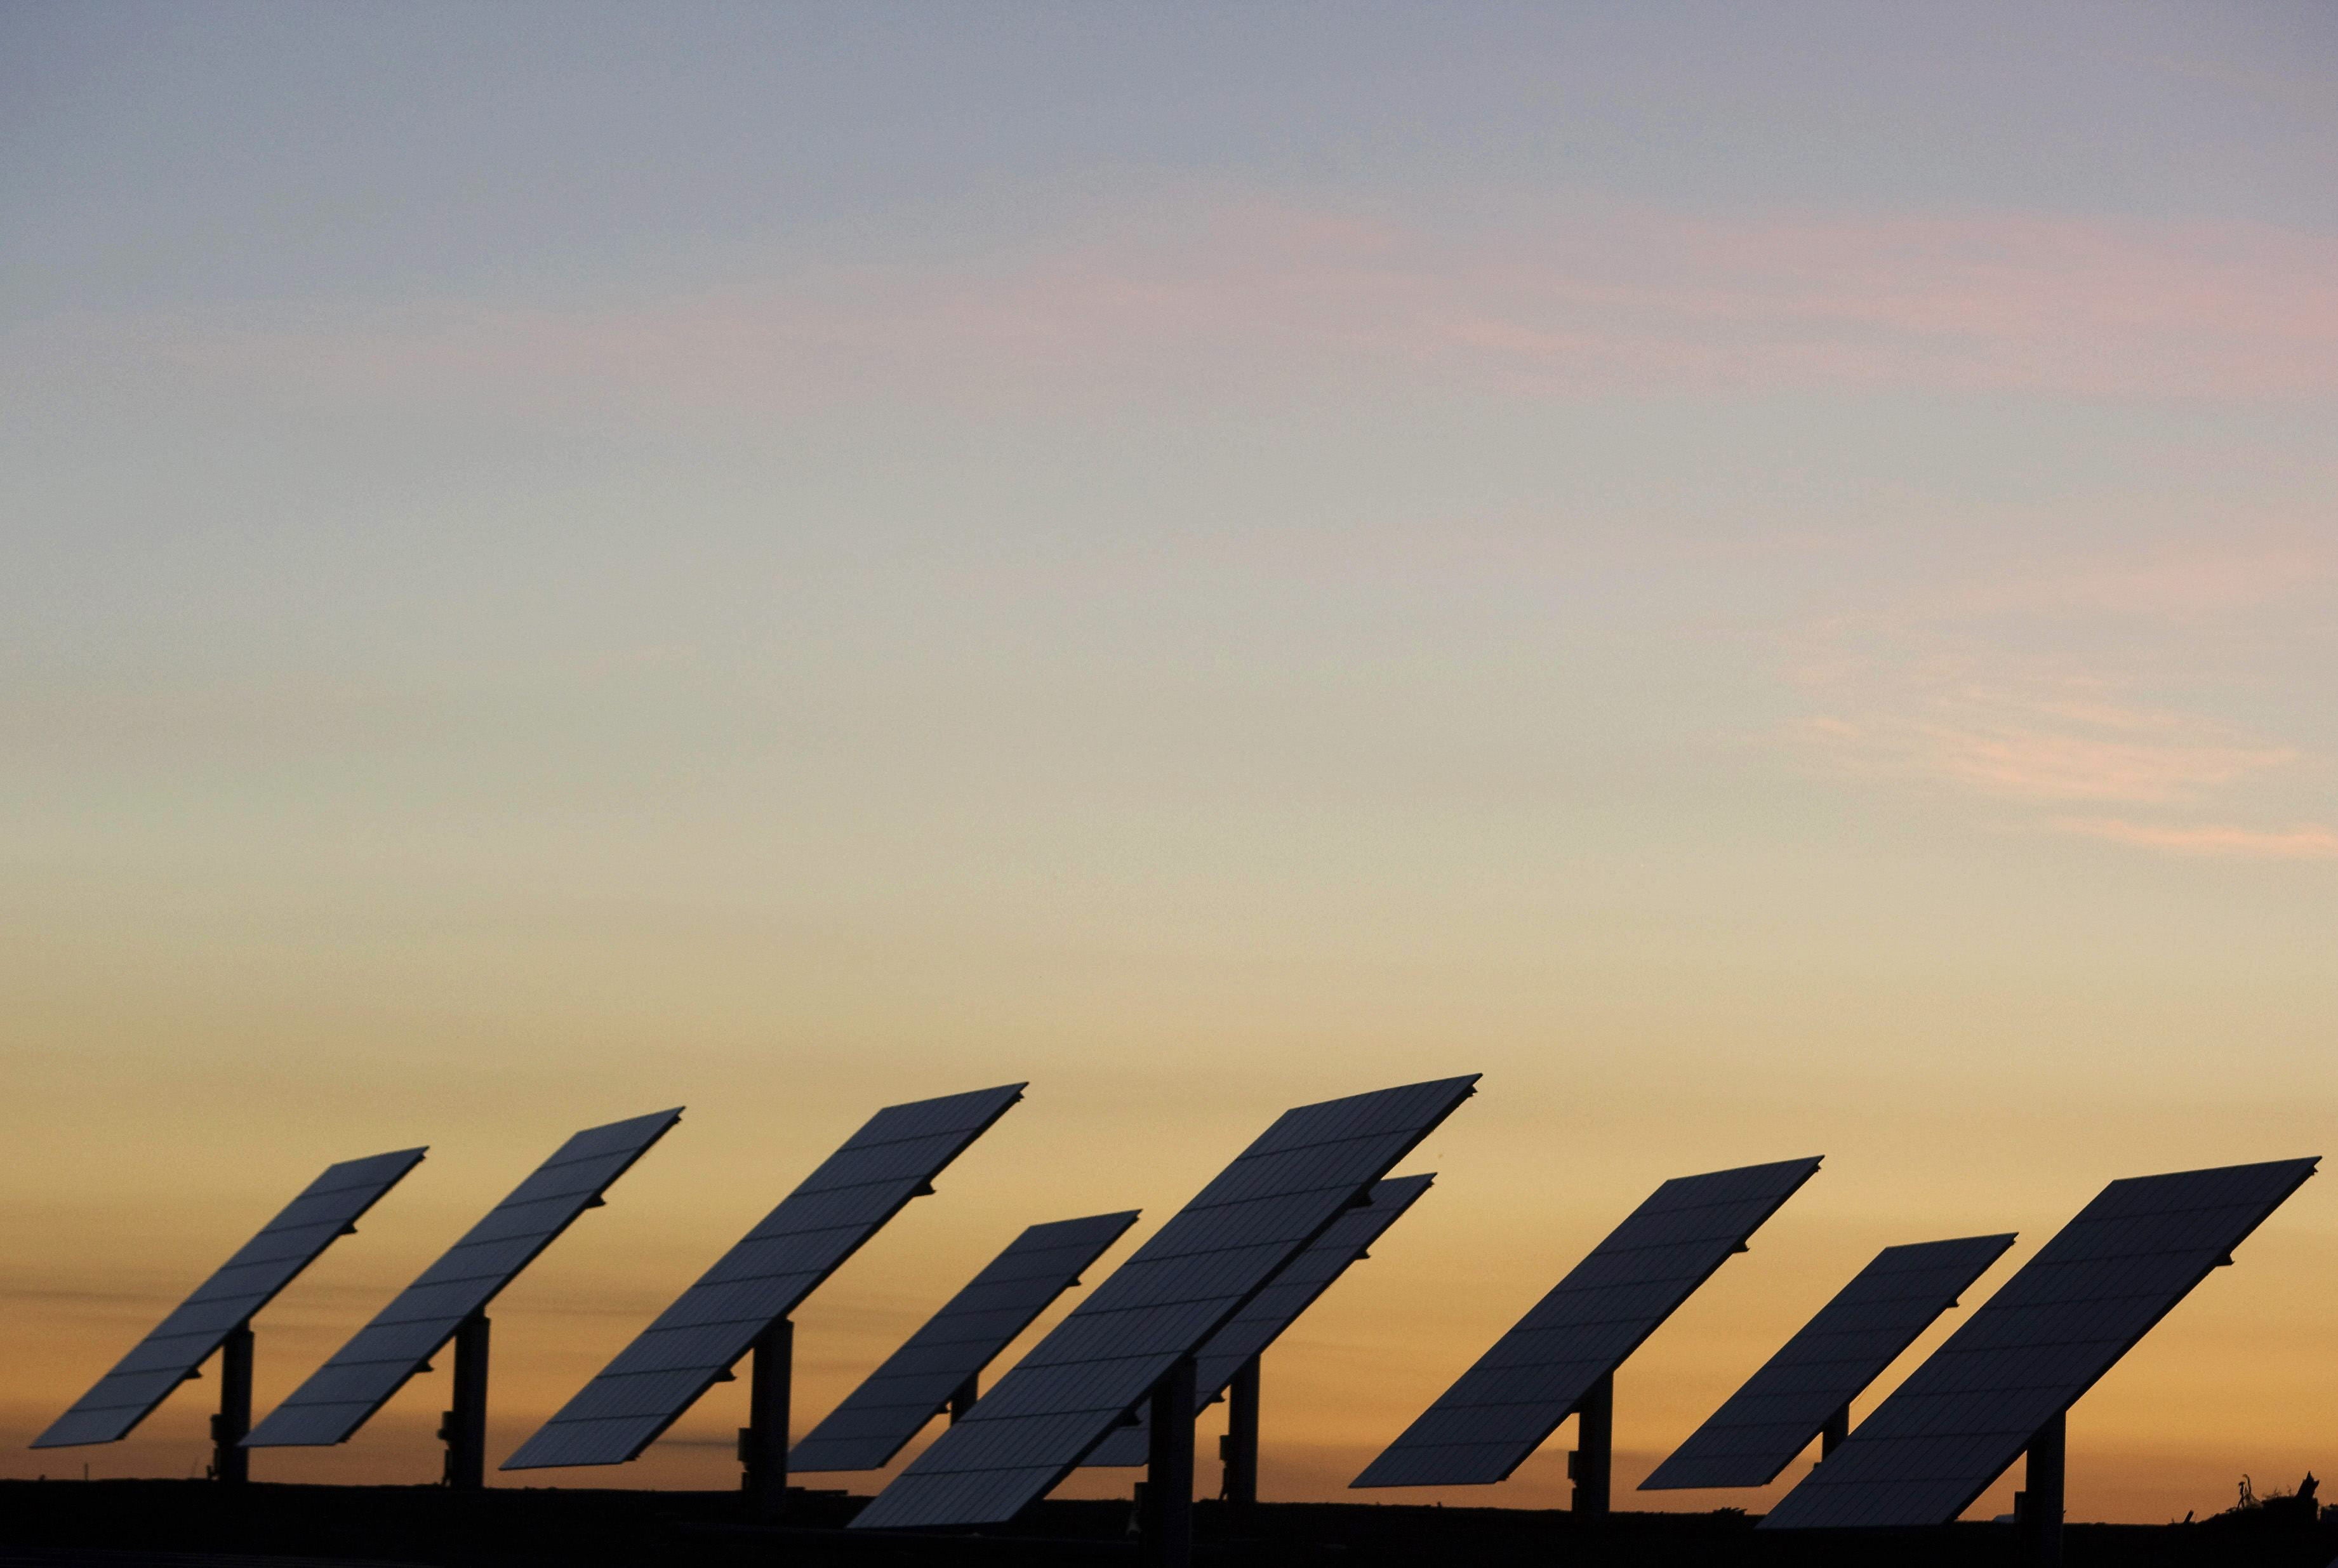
(2049, 1334)
(1846, 1346)
(326, 1210)
(1530, 1379)
(1069, 1392)
(360, 1376)
(1274, 1309)
(683, 1352)
(914, 1384)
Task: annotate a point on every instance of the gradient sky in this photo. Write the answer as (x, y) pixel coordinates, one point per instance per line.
(1762, 575)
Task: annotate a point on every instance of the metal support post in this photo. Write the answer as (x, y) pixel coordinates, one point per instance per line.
(464, 1429)
(763, 1441)
(962, 1398)
(231, 1460)
(2041, 1497)
(1168, 1513)
(1837, 1429)
(1594, 1458)
(1240, 1445)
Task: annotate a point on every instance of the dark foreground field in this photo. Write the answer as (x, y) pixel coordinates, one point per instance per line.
(194, 1524)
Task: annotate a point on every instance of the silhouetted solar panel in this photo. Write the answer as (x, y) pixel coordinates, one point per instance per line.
(1500, 1410)
(2094, 1290)
(1275, 1308)
(692, 1344)
(1821, 1369)
(327, 1207)
(1161, 1306)
(917, 1382)
(340, 1395)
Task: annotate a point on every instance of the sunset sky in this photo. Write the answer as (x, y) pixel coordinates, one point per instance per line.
(1762, 575)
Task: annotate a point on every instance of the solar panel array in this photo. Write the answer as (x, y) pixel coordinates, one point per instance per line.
(1276, 1307)
(327, 1209)
(2061, 1322)
(1161, 1306)
(692, 1343)
(1830, 1359)
(341, 1394)
(917, 1382)
(1500, 1410)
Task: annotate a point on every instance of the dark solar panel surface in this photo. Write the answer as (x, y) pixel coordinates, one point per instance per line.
(1500, 1410)
(340, 1395)
(326, 1209)
(2030, 1350)
(692, 1343)
(1163, 1304)
(915, 1382)
(1275, 1308)
(1784, 1407)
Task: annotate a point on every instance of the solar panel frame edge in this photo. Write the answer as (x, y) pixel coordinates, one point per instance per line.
(410, 1157)
(666, 1121)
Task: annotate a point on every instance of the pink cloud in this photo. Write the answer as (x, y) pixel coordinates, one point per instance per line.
(2311, 842)
(1578, 298)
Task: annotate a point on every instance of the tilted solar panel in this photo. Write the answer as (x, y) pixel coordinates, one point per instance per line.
(327, 1209)
(1160, 1307)
(1275, 1308)
(2030, 1350)
(692, 1343)
(1500, 1410)
(340, 1395)
(916, 1383)
(1821, 1369)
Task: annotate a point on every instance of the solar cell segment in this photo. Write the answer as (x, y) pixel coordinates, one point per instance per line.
(917, 1381)
(327, 1209)
(1830, 1359)
(1276, 1307)
(1157, 1310)
(2030, 1350)
(692, 1345)
(340, 1395)
(1500, 1410)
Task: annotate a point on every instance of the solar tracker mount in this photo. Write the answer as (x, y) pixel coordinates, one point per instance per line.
(1561, 1358)
(217, 1318)
(1135, 1337)
(743, 1302)
(448, 1300)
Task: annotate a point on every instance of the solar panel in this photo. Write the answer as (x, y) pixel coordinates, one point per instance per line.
(1161, 1306)
(327, 1209)
(919, 1379)
(340, 1395)
(1276, 1307)
(2021, 1360)
(690, 1345)
(1824, 1367)
(1500, 1410)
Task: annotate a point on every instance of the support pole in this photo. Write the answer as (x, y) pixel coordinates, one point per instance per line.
(1837, 1429)
(1168, 1527)
(1594, 1459)
(763, 1441)
(1240, 1488)
(231, 1460)
(2041, 1497)
(464, 1429)
(962, 1398)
